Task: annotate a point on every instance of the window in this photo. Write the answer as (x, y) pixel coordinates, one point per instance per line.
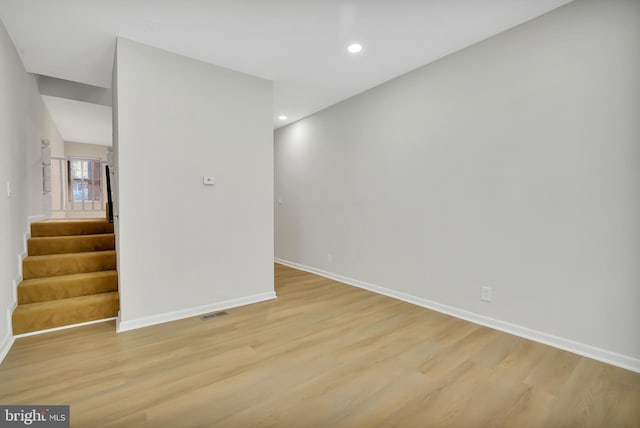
(85, 180)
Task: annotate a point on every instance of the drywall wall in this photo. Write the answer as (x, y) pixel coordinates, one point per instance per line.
(87, 151)
(24, 123)
(61, 88)
(512, 164)
(184, 247)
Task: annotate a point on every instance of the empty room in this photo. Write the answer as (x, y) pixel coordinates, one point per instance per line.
(350, 213)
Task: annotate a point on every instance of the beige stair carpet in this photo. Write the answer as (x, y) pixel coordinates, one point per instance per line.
(69, 275)
(45, 245)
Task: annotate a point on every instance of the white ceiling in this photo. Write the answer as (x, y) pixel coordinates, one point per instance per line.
(80, 122)
(299, 44)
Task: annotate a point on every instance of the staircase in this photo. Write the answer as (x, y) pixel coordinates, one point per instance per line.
(69, 275)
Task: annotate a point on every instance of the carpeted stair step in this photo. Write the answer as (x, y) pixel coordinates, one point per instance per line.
(69, 275)
(70, 244)
(67, 264)
(57, 313)
(70, 227)
(66, 286)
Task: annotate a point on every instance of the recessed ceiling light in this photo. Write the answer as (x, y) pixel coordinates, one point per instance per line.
(282, 117)
(354, 48)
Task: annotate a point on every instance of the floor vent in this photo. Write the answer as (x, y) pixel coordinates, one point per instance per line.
(213, 315)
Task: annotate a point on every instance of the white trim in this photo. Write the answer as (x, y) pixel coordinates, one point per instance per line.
(25, 237)
(10, 310)
(191, 312)
(14, 302)
(64, 327)
(7, 342)
(5, 346)
(609, 357)
(21, 257)
(118, 321)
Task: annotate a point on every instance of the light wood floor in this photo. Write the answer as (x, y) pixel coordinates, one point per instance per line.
(322, 355)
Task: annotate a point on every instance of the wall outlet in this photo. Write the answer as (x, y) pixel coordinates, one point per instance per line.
(486, 294)
(330, 258)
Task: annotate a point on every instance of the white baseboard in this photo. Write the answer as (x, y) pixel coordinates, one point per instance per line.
(609, 357)
(122, 326)
(7, 341)
(5, 346)
(64, 327)
(26, 234)
(14, 302)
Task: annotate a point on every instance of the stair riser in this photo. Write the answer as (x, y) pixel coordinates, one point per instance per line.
(72, 244)
(66, 288)
(55, 228)
(90, 262)
(73, 313)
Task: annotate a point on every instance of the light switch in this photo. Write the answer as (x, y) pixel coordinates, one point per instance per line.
(9, 192)
(208, 181)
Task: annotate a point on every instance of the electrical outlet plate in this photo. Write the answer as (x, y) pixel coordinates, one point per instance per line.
(486, 294)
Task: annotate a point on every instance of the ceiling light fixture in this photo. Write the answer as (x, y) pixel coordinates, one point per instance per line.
(354, 48)
(282, 117)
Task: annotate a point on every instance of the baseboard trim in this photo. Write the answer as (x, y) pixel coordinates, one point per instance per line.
(5, 346)
(609, 357)
(64, 327)
(25, 237)
(7, 341)
(122, 326)
(14, 302)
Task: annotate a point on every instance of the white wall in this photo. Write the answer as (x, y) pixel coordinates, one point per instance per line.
(82, 150)
(24, 122)
(513, 164)
(61, 88)
(183, 247)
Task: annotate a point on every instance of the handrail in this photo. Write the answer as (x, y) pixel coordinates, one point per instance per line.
(109, 198)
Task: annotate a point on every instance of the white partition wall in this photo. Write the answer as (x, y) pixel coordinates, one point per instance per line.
(185, 247)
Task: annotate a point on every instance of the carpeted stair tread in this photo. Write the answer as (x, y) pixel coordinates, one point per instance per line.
(66, 286)
(45, 245)
(69, 227)
(56, 313)
(69, 276)
(68, 264)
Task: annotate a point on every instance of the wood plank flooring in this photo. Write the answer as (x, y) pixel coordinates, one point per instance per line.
(323, 354)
